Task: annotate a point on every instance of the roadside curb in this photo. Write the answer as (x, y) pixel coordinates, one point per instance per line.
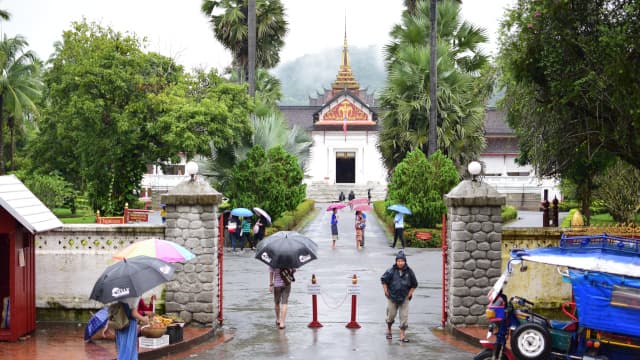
(181, 346)
(467, 336)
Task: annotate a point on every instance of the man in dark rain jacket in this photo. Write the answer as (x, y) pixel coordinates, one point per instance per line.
(399, 282)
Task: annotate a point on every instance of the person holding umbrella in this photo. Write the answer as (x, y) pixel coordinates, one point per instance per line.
(359, 228)
(280, 285)
(261, 227)
(334, 228)
(398, 222)
(127, 337)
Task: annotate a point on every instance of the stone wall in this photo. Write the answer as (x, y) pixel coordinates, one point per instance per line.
(69, 261)
(474, 250)
(192, 222)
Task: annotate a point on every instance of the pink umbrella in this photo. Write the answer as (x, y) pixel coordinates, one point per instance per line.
(156, 248)
(363, 207)
(335, 206)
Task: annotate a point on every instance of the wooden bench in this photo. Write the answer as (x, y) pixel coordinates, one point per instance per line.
(423, 235)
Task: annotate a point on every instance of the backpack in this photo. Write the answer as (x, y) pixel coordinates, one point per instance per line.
(118, 318)
(287, 276)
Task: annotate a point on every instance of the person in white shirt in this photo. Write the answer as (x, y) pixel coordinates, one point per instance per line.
(398, 232)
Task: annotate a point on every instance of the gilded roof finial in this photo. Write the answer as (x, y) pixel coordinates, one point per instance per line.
(345, 79)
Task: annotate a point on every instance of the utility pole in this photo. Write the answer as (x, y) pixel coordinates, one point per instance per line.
(433, 81)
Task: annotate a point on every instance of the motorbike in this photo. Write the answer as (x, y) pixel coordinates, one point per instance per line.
(604, 272)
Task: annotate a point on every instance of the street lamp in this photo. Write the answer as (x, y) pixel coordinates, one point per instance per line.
(191, 169)
(475, 168)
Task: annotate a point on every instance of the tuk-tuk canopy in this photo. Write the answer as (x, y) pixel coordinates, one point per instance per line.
(600, 253)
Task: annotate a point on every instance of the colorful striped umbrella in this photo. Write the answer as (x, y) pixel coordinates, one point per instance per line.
(156, 248)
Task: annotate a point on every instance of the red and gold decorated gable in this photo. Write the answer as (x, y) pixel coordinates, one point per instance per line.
(345, 109)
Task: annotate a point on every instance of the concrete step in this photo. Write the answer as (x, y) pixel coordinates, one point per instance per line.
(323, 192)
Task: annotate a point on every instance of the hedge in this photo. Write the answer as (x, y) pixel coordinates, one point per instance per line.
(290, 219)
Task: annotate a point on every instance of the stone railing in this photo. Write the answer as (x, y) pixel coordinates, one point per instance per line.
(69, 260)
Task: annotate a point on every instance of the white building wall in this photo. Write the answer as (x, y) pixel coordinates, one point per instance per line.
(368, 165)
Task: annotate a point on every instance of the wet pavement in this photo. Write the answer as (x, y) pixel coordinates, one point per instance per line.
(249, 329)
(249, 315)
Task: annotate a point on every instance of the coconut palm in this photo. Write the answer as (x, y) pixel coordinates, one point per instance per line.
(460, 73)
(228, 20)
(20, 84)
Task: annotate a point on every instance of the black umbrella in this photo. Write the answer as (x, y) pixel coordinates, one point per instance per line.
(286, 249)
(130, 278)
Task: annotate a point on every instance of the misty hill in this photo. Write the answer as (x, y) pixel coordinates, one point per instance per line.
(306, 75)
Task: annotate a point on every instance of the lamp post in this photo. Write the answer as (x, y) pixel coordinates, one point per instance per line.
(475, 168)
(191, 169)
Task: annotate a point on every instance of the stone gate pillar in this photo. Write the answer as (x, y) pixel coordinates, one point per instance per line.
(474, 237)
(192, 208)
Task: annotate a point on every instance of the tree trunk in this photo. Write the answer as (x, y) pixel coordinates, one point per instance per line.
(433, 78)
(252, 47)
(1, 135)
(12, 128)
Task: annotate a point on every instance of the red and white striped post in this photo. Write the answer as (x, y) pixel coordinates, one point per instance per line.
(314, 289)
(354, 289)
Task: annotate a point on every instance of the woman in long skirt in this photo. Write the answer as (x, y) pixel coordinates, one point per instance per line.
(127, 337)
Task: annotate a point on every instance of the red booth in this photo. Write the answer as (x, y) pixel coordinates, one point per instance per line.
(22, 215)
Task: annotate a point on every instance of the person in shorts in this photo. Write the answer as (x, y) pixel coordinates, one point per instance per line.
(280, 285)
(398, 282)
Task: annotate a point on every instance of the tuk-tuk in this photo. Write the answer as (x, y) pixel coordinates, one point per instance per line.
(604, 312)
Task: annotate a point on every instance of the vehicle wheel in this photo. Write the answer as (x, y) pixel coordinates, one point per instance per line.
(487, 354)
(531, 342)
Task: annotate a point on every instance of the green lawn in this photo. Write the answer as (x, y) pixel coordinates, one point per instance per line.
(606, 219)
(82, 216)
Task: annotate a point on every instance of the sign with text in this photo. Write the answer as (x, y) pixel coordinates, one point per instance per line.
(353, 289)
(313, 289)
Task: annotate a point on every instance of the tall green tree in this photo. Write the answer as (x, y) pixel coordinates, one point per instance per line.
(229, 19)
(570, 74)
(463, 75)
(112, 109)
(20, 85)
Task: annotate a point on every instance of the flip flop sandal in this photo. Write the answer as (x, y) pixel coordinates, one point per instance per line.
(389, 336)
(405, 340)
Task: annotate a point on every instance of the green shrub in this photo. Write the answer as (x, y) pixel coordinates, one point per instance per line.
(420, 183)
(509, 213)
(290, 219)
(271, 180)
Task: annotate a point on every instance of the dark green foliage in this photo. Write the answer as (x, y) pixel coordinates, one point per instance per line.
(618, 188)
(270, 180)
(464, 80)
(420, 184)
(53, 190)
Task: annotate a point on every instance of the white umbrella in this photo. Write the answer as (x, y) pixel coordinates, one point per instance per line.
(263, 213)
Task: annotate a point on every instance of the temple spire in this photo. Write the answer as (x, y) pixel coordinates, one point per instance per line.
(345, 79)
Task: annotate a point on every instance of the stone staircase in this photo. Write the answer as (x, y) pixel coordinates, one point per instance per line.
(325, 193)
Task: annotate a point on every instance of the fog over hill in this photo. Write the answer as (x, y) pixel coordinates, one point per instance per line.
(309, 74)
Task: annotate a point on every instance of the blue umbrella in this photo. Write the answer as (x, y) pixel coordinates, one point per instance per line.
(244, 212)
(400, 208)
(97, 322)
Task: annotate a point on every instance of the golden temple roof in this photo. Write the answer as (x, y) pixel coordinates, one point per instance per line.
(345, 78)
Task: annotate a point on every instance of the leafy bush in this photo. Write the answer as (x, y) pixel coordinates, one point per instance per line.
(420, 183)
(53, 190)
(270, 180)
(509, 213)
(412, 241)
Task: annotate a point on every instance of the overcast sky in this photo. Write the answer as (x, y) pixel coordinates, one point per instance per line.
(178, 29)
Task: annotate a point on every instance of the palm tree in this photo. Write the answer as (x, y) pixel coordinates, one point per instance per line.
(461, 96)
(230, 28)
(19, 84)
